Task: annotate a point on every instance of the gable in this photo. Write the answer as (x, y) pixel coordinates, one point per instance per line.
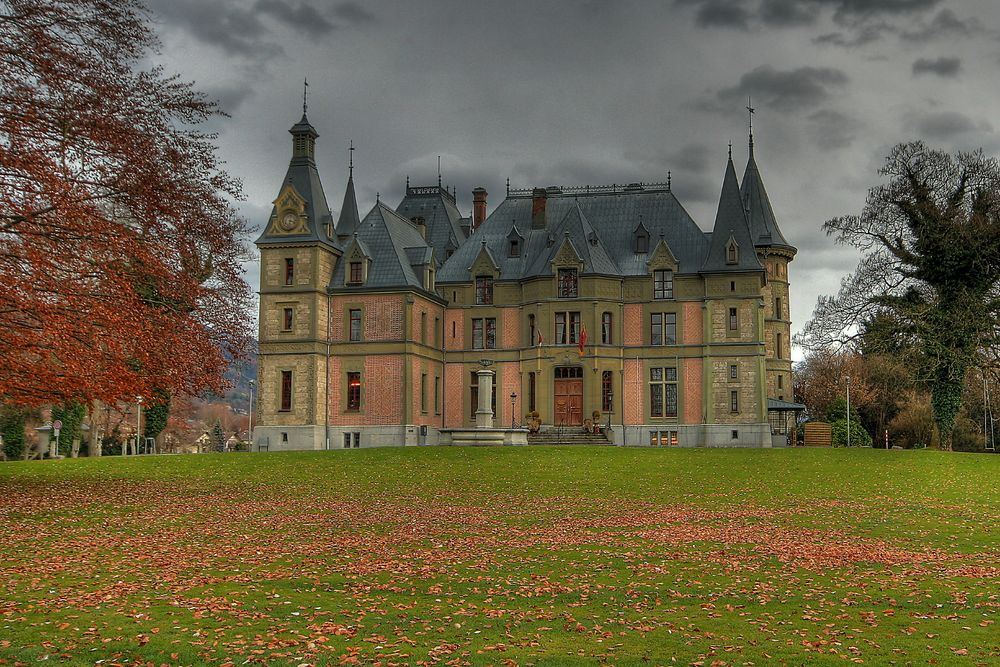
(662, 258)
(290, 217)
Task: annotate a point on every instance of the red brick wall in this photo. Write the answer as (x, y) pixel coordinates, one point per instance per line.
(509, 382)
(431, 310)
(511, 318)
(453, 318)
(383, 316)
(634, 392)
(693, 327)
(633, 325)
(454, 405)
(381, 397)
(693, 383)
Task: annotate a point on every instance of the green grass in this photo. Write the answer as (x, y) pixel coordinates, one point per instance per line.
(545, 556)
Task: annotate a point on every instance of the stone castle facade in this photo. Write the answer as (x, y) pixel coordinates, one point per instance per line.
(607, 300)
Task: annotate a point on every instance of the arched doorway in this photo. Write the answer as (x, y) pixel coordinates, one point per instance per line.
(568, 396)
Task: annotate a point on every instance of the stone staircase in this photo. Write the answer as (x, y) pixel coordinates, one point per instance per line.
(567, 436)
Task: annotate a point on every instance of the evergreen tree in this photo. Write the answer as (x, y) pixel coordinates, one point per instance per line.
(157, 414)
(217, 439)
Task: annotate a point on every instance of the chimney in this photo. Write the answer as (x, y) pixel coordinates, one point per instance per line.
(421, 225)
(538, 199)
(478, 207)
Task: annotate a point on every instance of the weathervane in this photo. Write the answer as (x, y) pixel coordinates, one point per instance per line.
(750, 111)
(305, 94)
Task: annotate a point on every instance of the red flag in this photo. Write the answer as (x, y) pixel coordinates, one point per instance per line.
(583, 339)
(540, 340)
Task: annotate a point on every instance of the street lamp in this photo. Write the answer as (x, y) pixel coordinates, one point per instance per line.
(848, 410)
(138, 418)
(611, 407)
(250, 428)
(513, 398)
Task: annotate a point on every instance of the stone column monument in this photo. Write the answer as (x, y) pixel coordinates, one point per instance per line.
(484, 415)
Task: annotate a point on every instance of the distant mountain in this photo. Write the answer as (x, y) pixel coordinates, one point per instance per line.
(239, 375)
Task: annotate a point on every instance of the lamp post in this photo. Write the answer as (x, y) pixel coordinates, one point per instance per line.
(848, 410)
(250, 427)
(513, 398)
(138, 419)
(611, 407)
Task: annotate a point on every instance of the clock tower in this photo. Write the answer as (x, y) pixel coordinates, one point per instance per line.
(298, 255)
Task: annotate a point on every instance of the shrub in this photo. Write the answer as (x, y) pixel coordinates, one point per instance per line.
(12, 427)
(859, 436)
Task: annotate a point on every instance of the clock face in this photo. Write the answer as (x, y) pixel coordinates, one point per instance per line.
(289, 221)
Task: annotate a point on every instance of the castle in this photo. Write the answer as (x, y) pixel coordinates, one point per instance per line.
(580, 300)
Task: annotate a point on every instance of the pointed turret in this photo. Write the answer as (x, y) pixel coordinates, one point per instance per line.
(763, 227)
(349, 219)
(731, 247)
(301, 213)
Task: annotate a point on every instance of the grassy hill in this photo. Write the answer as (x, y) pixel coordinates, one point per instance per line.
(546, 556)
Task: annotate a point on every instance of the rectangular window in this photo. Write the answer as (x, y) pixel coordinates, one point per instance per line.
(606, 391)
(289, 271)
(531, 392)
(355, 315)
(347, 441)
(484, 333)
(734, 320)
(515, 248)
(484, 290)
(474, 395)
(531, 331)
(286, 324)
(734, 372)
(779, 382)
(354, 391)
(606, 328)
(437, 332)
(355, 277)
(437, 395)
(423, 328)
(777, 307)
(663, 284)
(567, 328)
(568, 287)
(777, 346)
(663, 329)
(734, 401)
(357, 439)
(663, 392)
(286, 391)
(423, 392)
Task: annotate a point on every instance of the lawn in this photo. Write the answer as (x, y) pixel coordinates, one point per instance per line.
(503, 556)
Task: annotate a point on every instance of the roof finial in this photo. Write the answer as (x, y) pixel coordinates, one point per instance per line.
(750, 111)
(439, 172)
(730, 150)
(350, 161)
(407, 184)
(378, 198)
(668, 181)
(508, 186)
(305, 95)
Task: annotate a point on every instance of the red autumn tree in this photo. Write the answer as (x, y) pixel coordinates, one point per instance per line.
(120, 249)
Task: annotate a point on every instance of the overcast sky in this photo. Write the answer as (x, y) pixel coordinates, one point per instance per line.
(588, 92)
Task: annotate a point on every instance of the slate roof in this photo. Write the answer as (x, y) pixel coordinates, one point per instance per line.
(304, 177)
(731, 223)
(441, 216)
(612, 214)
(763, 226)
(395, 247)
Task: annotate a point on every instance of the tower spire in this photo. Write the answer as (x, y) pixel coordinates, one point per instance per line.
(439, 172)
(750, 111)
(350, 161)
(305, 95)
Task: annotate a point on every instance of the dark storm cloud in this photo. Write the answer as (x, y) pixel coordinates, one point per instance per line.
(832, 129)
(695, 158)
(861, 36)
(944, 25)
(353, 13)
(722, 14)
(229, 97)
(235, 29)
(943, 125)
(851, 11)
(298, 15)
(744, 14)
(784, 90)
(788, 13)
(944, 67)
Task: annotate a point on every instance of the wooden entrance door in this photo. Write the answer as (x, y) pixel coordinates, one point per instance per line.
(568, 408)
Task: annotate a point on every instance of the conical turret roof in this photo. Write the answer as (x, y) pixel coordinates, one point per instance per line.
(763, 226)
(731, 227)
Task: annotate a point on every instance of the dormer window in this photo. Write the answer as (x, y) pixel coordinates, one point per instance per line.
(663, 284)
(515, 247)
(732, 252)
(641, 242)
(356, 274)
(484, 290)
(568, 287)
(429, 283)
